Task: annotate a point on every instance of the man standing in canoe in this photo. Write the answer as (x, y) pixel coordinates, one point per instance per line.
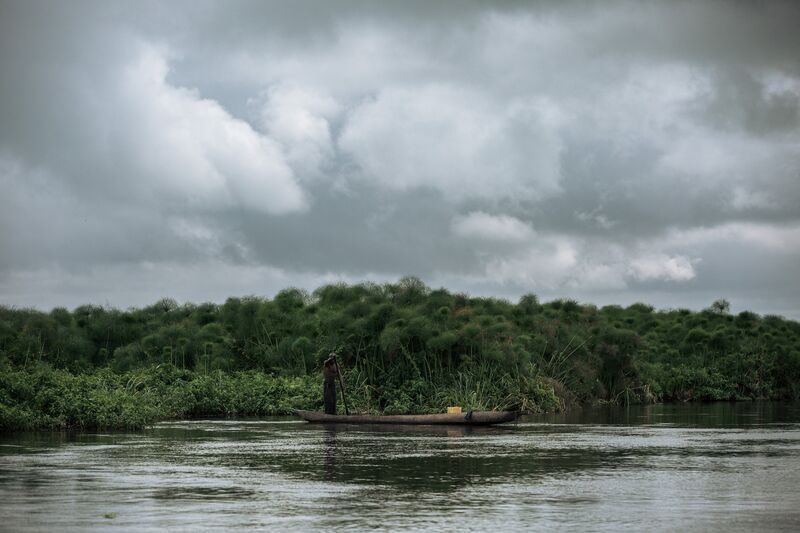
(329, 372)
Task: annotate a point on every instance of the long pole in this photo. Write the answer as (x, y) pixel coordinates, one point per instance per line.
(341, 383)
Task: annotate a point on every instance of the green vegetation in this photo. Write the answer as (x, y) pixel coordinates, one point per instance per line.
(42, 397)
(405, 348)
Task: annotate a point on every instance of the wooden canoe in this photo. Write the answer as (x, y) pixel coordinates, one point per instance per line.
(478, 418)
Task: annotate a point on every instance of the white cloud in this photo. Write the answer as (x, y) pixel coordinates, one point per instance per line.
(777, 83)
(596, 217)
(191, 150)
(551, 262)
(597, 276)
(299, 119)
(717, 158)
(202, 237)
(759, 236)
(662, 267)
(483, 226)
(559, 262)
(548, 263)
(744, 199)
(455, 140)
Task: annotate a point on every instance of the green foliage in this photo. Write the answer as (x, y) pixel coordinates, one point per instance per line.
(46, 398)
(406, 348)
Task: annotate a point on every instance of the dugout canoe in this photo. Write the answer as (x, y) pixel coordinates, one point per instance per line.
(478, 418)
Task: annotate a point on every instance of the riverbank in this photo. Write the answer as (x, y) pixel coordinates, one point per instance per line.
(406, 348)
(51, 399)
(43, 398)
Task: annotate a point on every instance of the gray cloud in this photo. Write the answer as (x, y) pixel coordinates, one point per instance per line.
(627, 151)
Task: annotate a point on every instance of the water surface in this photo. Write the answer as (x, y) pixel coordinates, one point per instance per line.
(723, 467)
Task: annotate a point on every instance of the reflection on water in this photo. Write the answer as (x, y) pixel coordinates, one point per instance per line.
(330, 454)
(726, 466)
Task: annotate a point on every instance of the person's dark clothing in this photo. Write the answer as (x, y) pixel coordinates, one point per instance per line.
(329, 397)
(329, 371)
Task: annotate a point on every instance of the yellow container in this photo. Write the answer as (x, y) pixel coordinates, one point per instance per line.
(454, 410)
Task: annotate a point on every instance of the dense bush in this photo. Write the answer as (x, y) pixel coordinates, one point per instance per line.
(406, 348)
(56, 399)
(46, 398)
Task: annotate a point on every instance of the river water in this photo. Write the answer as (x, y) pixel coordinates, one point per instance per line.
(706, 467)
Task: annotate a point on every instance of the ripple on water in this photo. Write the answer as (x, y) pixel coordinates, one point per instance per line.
(657, 472)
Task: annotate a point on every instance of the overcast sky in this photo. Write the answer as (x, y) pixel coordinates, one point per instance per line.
(610, 152)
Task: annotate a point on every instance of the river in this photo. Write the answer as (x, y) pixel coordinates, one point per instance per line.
(707, 467)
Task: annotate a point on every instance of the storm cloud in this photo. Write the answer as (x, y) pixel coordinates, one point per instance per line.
(629, 151)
